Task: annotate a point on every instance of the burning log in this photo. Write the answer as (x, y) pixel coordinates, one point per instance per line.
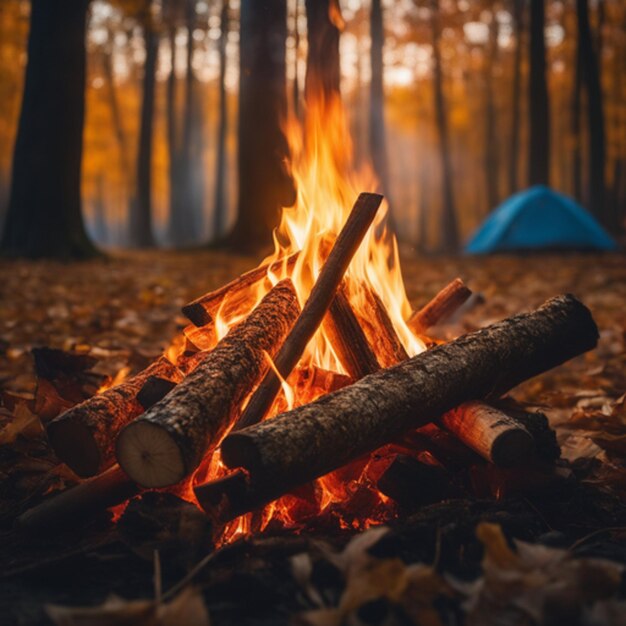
(379, 329)
(348, 339)
(203, 309)
(444, 304)
(314, 439)
(168, 441)
(494, 435)
(155, 389)
(80, 503)
(315, 308)
(83, 437)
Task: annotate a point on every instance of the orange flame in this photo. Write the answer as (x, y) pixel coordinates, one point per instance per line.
(327, 186)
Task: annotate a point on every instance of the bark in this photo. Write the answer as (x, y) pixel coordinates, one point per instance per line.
(538, 106)
(379, 328)
(169, 441)
(518, 28)
(221, 202)
(491, 433)
(348, 339)
(320, 298)
(595, 114)
(44, 216)
(442, 306)
(79, 504)
(202, 310)
(314, 439)
(377, 134)
(141, 234)
(264, 184)
(449, 226)
(84, 437)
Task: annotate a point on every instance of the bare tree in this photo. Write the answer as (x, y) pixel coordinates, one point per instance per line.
(518, 29)
(449, 226)
(44, 217)
(539, 128)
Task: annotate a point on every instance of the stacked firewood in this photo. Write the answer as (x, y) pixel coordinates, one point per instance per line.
(438, 412)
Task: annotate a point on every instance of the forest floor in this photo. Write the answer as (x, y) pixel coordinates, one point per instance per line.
(124, 310)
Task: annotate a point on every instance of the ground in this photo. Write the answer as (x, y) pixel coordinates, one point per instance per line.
(125, 309)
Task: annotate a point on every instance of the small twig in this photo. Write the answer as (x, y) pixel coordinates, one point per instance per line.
(596, 532)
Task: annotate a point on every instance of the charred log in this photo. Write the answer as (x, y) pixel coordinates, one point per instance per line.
(83, 437)
(169, 441)
(312, 440)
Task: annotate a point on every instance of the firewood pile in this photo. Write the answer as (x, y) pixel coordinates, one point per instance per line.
(241, 426)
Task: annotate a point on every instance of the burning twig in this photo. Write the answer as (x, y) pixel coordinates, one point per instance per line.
(315, 308)
(84, 436)
(444, 304)
(203, 309)
(314, 439)
(168, 441)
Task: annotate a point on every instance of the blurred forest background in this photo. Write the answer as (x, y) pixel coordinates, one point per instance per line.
(457, 103)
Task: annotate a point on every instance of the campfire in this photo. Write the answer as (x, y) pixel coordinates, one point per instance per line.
(308, 387)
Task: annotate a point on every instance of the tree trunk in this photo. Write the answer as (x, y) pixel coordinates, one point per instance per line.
(44, 216)
(221, 200)
(518, 28)
(264, 184)
(172, 135)
(577, 179)
(595, 114)
(322, 63)
(491, 144)
(141, 211)
(539, 151)
(449, 226)
(378, 141)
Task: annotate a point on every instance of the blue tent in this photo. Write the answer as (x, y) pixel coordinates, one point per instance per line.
(539, 218)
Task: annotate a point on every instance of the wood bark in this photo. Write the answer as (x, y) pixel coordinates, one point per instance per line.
(348, 339)
(44, 217)
(84, 436)
(79, 504)
(320, 298)
(169, 441)
(442, 306)
(202, 310)
(314, 439)
(494, 435)
(538, 105)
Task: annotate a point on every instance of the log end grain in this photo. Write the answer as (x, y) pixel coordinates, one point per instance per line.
(512, 448)
(73, 442)
(154, 390)
(150, 456)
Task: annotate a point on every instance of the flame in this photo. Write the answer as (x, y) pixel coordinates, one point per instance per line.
(327, 185)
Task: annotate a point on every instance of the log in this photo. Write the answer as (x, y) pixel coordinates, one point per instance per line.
(155, 389)
(444, 304)
(79, 504)
(348, 339)
(379, 329)
(83, 437)
(168, 442)
(313, 440)
(491, 433)
(202, 310)
(485, 429)
(315, 308)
